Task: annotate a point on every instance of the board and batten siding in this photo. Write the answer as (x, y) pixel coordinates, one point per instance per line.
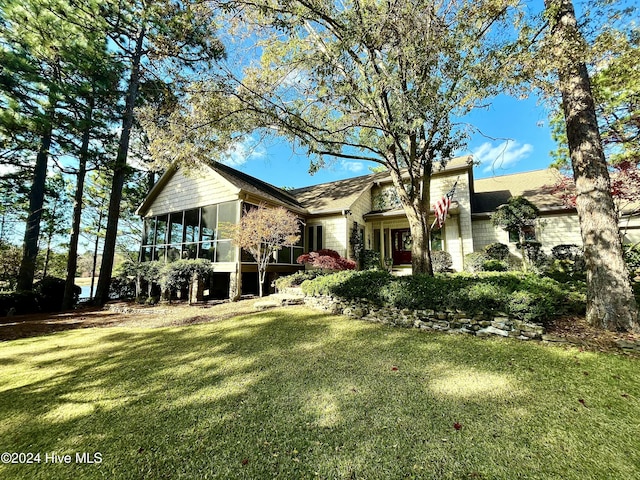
(196, 189)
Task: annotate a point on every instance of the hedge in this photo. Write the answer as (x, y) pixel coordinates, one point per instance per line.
(521, 295)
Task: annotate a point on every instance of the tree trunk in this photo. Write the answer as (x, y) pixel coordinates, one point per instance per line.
(72, 261)
(610, 300)
(119, 173)
(36, 203)
(420, 248)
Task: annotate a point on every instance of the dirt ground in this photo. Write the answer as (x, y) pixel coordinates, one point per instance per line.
(123, 314)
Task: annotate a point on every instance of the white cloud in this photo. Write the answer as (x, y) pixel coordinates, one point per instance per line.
(245, 149)
(502, 156)
(353, 167)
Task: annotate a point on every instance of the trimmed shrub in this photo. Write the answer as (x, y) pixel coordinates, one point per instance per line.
(519, 294)
(441, 261)
(473, 261)
(497, 251)
(632, 259)
(370, 260)
(296, 279)
(50, 293)
(494, 265)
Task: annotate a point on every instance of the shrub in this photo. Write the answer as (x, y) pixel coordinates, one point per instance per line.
(441, 261)
(525, 296)
(50, 293)
(632, 259)
(494, 266)
(326, 260)
(296, 279)
(473, 261)
(566, 252)
(370, 260)
(497, 251)
(22, 303)
(177, 276)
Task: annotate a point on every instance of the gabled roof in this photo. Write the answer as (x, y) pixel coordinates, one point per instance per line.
(252, 185)
(333, 197)
(536, 186)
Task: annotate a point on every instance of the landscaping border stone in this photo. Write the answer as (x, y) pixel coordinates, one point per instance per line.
(480, 324)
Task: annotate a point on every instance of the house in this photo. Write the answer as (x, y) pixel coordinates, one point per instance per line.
(185, 211)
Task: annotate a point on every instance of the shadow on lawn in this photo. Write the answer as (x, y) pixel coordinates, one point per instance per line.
(297, 394)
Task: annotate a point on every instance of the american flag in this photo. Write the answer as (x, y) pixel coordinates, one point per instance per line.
(441, 208)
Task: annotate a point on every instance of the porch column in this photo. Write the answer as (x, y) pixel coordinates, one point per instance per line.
(382, 244)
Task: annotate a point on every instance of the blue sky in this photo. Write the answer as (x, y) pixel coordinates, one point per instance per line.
(515, 137)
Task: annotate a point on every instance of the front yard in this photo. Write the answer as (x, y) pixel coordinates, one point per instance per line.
(294, 393)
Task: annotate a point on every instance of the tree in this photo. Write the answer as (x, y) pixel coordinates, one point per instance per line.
(264, 231)
(515, 216)
(355, 80)
(170, 38)
(326, 259)
(610, 300)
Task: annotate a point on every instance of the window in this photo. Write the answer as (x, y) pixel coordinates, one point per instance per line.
(315, 238)
(189, 234)
(436, 240)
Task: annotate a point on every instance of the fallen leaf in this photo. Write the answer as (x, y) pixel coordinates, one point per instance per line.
(581, 400)
(394, 369)
(245, 461)
(457, 426)
(625, 395)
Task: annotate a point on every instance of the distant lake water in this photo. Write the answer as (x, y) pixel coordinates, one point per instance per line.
(86, 290)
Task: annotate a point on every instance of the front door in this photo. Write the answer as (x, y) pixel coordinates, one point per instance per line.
(401, 244)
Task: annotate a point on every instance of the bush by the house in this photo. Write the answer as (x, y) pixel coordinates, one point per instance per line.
(632, 259)
(326, 259)
(473, 261)
(441, 261)
(493, 265)
(525, 296)
(497, 251)
(296, 279)
(370, 260)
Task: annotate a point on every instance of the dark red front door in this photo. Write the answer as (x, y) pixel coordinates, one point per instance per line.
(401, 244)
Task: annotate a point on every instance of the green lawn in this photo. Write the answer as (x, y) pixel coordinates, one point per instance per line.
(292, 393)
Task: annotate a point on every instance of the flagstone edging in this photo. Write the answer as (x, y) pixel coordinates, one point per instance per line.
(480, 325)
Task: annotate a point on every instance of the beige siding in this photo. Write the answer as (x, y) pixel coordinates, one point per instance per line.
(484, 233)
(555, 230)
(630, 228)
(334, 230)
(183, 192)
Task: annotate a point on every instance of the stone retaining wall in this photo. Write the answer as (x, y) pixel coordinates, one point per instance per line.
(481, 325)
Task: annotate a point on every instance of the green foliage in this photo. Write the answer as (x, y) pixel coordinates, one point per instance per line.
(632, 258)
(441, 261)
(521, 295)
(50, 291)
(370, 260)
(46, 297)
(296, 279)
(497, 251)
(474, 261)
(178, 275)
(516, 214)
(494, 265)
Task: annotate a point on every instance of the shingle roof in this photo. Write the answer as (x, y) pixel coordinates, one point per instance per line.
(340, 195)
(335, 196)
(255, 186)
(536, 186)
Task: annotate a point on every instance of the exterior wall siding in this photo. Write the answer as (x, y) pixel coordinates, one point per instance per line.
(183, 192)
(334, 230)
